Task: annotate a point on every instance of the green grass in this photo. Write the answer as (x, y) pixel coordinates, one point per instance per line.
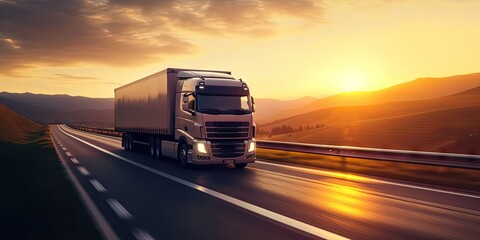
(37, 200)
(433, 175)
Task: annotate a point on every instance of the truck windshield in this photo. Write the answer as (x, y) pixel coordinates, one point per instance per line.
(214, 104)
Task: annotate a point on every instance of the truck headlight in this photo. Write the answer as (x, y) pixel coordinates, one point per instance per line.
(201, 147)
(251, 147)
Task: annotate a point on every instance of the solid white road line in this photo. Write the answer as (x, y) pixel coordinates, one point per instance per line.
(97, 185)
(366, 179)
(119, 209)
(102, 225)
(83, 171)
(142, 234)
(74, 160)
(245, 205)
(68, 154)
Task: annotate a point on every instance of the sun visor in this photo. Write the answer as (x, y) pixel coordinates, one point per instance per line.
(222, 90)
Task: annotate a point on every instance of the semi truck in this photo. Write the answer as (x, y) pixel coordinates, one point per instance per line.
(199, 117)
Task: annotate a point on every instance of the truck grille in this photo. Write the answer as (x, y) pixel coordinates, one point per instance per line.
(227, 129)
(227, 149)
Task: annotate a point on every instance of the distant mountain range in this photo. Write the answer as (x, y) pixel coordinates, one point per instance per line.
(48, 109)
(421, 88)
(60, 102)
(266, 107)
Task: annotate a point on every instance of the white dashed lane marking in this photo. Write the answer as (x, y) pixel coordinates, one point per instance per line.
(83, 171)
(97, 185)
(74, 160)
(142, 235)
(119, 209)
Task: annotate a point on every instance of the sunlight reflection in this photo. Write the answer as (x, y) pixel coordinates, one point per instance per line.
(352, 177)
(345, 200)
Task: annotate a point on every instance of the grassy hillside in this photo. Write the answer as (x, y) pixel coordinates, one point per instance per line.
(450, 124)
(14, 128)
(421, 88)
(38, 202)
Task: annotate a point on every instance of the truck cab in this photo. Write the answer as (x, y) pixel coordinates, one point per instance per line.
(214, 119)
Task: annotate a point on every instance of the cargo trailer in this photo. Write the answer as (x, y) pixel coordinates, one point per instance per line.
(196, 116)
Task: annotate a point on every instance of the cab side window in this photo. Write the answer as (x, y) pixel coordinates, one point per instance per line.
(191, 102)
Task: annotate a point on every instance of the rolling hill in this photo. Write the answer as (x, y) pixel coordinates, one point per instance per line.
(14, 127)
(450, 124)
(421, 88)
(266, 107)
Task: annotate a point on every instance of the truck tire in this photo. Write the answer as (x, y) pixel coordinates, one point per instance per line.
(131, 146)
(151, 147)
(240, 165)
(183, 155)
(128, 145)
(158, 148)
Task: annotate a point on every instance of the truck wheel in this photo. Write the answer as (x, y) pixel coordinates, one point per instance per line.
(131, 145)
(183, 155)
(158, 150)
(240, 165)
(127, 143)
(151, 147)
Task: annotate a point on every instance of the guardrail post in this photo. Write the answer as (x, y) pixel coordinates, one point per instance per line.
(343, 163)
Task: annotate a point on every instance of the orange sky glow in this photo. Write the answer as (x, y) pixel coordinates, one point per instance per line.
(283, 49)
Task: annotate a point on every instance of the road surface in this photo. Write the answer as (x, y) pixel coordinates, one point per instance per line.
(133, 196)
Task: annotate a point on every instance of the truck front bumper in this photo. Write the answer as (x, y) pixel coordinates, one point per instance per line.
(222, 161)
(207, 157)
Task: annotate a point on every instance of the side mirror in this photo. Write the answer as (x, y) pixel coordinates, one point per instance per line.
(187, 104)
(253, 103)
(191, 106)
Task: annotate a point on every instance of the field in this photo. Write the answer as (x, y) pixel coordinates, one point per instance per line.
(38, 202)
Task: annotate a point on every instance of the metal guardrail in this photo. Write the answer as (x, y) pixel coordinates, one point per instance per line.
(468, 161)
(103, 131)
(406, 156)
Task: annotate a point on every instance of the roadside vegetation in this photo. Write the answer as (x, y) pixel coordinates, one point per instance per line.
(38, 201)
(432, 175)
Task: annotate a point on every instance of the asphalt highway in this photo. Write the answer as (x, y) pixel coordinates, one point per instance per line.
(133, 196)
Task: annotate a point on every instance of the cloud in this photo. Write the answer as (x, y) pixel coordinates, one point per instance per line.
(68, 79)
(69, 76)
(131, 32)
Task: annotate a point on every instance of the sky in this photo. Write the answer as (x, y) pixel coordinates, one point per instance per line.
(283, 49)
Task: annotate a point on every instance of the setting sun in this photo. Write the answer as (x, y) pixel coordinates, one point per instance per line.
(352, 82)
